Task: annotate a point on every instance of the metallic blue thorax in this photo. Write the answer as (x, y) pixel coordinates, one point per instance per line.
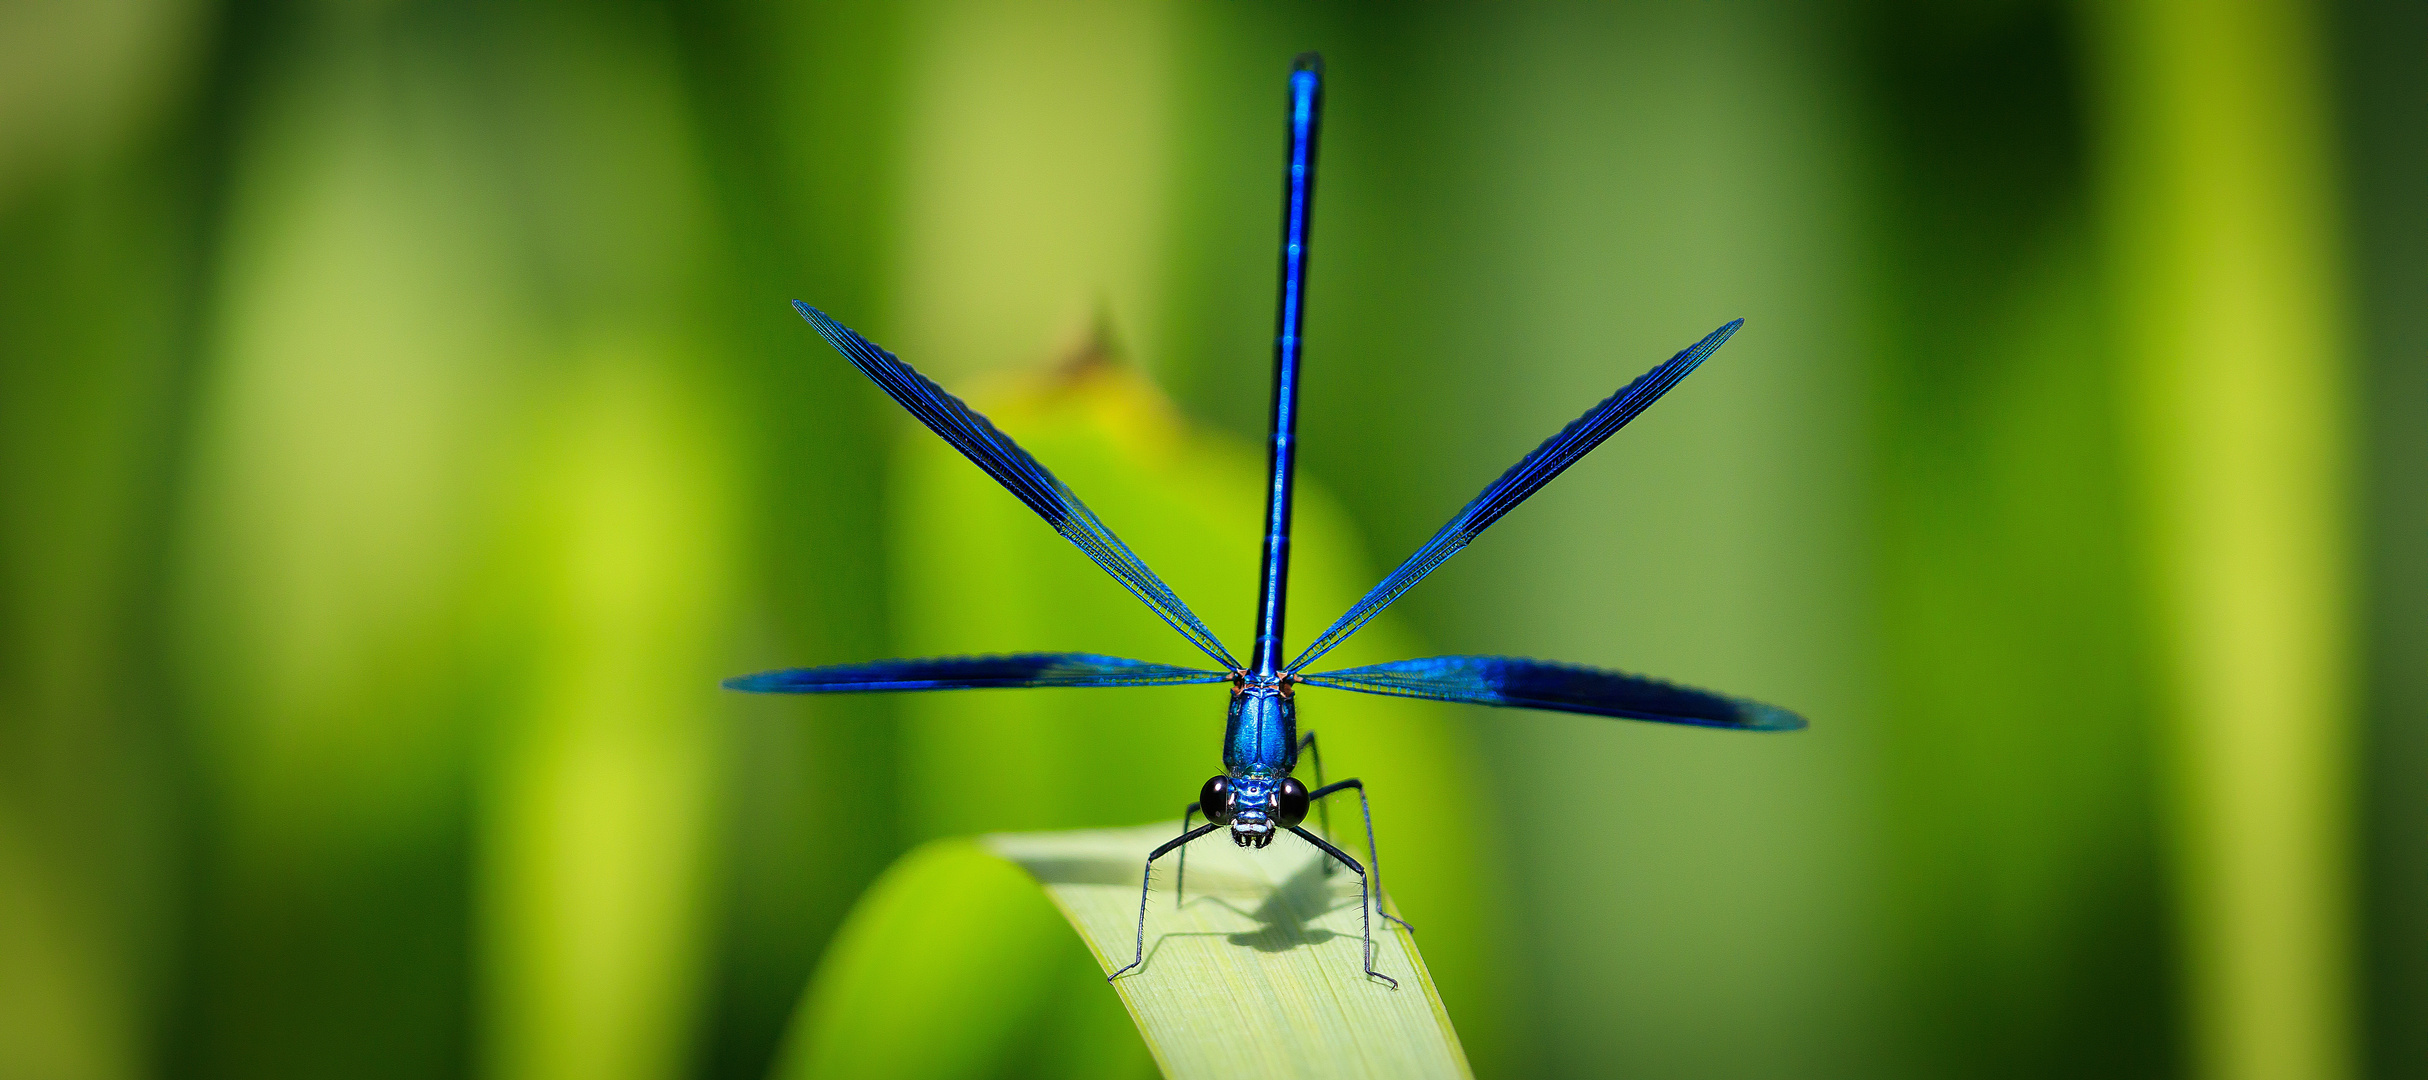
(1261, 738)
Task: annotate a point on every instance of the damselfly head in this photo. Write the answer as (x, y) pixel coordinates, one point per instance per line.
(1255, 807)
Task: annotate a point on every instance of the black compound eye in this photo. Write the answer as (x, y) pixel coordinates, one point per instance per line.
(1217, 800)
(1289, 803)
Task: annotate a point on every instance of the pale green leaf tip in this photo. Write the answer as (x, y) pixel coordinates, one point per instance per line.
(1258, 973)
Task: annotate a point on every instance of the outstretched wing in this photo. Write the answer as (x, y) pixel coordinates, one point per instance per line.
(1019, 473)
(1518, 683)
(1523, 479)
(972, 673)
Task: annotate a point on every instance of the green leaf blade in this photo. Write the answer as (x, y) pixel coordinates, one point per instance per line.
(955, 965)
(1257, 971)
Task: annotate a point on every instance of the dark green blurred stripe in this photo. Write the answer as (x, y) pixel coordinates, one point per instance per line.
(320, 553)
(108, 215)
(2027, 891)
(93, 252)
(2384, 99)
(796, 105)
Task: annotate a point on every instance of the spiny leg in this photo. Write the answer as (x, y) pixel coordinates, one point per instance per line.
(1365, 898)
(1180, 878)
(1372, 855)
(1146, 878)
(1307, 746)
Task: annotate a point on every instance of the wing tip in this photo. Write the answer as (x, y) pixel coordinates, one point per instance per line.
(826, 324)
(1762, 717)
(834, 332)
(749, 684)
(863, 353)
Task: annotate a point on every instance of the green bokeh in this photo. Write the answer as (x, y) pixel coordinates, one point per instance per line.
(402, 427)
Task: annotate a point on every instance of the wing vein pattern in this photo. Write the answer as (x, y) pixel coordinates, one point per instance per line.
(1019, 473)
(1514, 682)
(973, 673)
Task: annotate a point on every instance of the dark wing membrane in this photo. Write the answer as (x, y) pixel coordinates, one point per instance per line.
(1536, 684)
(1522, 480)
(1019, 473)
(972, 673)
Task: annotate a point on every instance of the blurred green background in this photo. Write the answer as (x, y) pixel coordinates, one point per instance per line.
(402, 428)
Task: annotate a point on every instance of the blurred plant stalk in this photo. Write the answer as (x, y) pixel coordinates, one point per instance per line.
(2220, 190)
(456, 558)
(97, 225)
(356, 346)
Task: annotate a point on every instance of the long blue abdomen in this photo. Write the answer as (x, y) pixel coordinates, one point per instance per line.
(1298, 198)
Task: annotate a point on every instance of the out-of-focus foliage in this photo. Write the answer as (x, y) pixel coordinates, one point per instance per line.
(402, 427)
(2383, 97)
(2011, 624)
(2225, 265)
(956, 964)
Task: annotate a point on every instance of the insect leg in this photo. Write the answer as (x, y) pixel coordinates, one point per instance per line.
(1372, 855)
(1308, 747)
(1365, 897)
(1146, 878)
(1180, 879)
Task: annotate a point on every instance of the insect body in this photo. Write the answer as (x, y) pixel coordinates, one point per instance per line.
(1256, 796)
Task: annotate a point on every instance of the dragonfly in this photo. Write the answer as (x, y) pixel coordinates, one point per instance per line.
(1256, 796)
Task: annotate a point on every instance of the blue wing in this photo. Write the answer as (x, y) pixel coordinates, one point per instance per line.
(972, 673)
(1019, 473)
(1536, 684)
(1523, 479)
